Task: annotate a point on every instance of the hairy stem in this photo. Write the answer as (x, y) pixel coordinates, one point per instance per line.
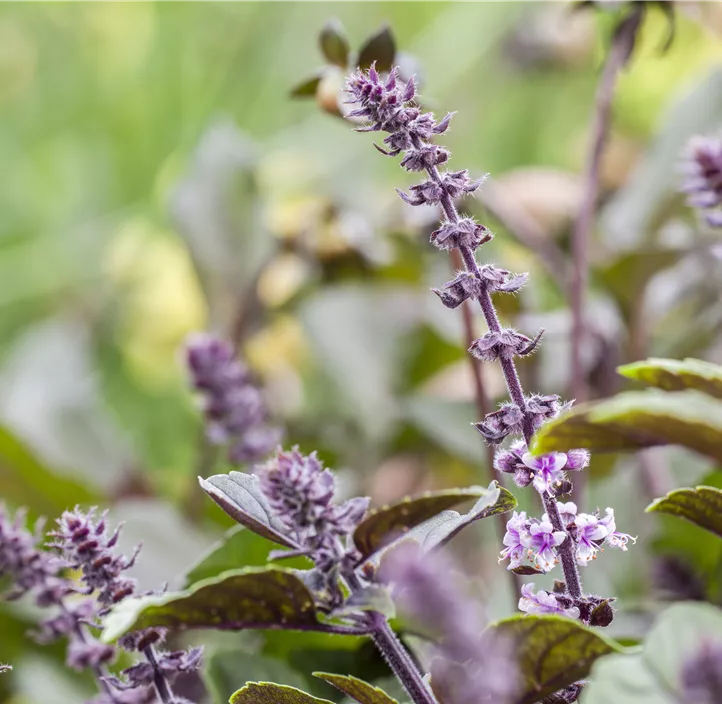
(400, 662)
(483, 404)
(513, 384)
(161, 684)
(619, 53)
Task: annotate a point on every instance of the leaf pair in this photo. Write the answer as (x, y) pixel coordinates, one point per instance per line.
(379, 48)
(426, 518)
(275, 598)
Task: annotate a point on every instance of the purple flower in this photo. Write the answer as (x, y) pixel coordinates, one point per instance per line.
(543, 603)
(588, 532)
(234, 409)
(577, 460)
(517, 532)
(567, 512)
(541, 542)
(702, 675)
(547, 470)
(614, 538)
(702, 168)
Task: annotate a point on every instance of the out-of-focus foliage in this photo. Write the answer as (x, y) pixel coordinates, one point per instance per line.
(158, 179)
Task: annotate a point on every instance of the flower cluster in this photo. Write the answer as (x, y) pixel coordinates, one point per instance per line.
(702, 675)
(546, 473)
(702, 169)
(233, 406)
(82, 542)
(469, 665)
(387, 104)
(300, 491)
(533, 542)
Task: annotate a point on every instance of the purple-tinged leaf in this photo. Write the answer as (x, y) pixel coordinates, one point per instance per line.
(263, 598)
(384, 525)
(269, 693)
(635, 420)
(442, 527)
(701, 506)
(551, 652)
(357, 689)
(240, 496)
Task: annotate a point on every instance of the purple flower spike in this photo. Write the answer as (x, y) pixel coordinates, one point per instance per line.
(541, 542)
(547, 470)
(234, 409)
(543, 603)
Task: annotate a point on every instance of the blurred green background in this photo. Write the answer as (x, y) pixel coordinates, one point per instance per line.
(157, 179)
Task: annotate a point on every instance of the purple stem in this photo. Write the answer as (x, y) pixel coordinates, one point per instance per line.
(394, 653)
(513, 384)
(161, 684)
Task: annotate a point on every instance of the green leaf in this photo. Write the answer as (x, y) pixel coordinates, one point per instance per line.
(227, 669)
(238, 548)
(381, 48)
(638, 419)
(307, 88)
(440, 529)
(269, 693)
(240, 496)
(384, 525)
(334, 44)
(652, 676)
(236, 600)
(361, 691)
(26, 481)
(701, 505)
(551, 652)
(673, 375)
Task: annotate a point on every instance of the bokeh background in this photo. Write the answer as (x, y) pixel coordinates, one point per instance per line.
(157, 178)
